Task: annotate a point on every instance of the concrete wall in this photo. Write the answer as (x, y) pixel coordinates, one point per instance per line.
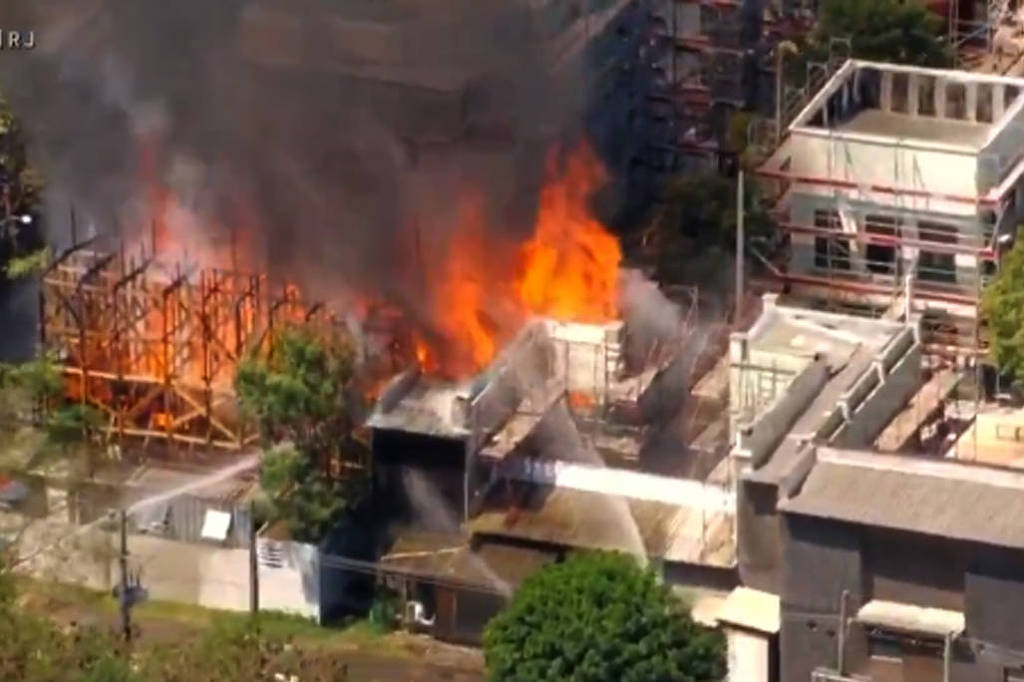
(896, 570)
(874, 401)
(994, 592)
(758, 535)
(822, 558)
(840, 158)
(760, 439)
(1001, 152)
(748, 656)
(290, 580)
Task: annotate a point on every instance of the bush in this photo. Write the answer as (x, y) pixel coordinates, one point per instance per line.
(299, 396)
(599, 617)
(1003, 307)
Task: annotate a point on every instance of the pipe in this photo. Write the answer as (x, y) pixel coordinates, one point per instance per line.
(739, 245)
(883, 240)
(841, 634)
(880, 189)
(947, 656)
(837, 283)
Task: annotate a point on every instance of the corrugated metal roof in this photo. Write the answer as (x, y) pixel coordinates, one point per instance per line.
(943, 498)
(490, 565)
(426, 408)
(588, 520)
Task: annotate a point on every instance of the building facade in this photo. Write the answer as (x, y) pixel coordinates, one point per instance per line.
(895, 175)
(903, 569)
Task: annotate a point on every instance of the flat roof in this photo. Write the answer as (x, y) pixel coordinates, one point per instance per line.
(802, 332)
(850, 69)
(903, 126)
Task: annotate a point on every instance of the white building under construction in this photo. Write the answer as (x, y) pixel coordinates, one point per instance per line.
(895, 175)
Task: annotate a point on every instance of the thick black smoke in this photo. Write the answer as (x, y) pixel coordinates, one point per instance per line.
(323, 128)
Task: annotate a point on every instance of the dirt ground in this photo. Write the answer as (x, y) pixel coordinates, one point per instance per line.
(368, 655)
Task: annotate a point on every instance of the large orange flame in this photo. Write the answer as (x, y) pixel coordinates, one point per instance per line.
(479, 291)
(571, 265)
(568, 270)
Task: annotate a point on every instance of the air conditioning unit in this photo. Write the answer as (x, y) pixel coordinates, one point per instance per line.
(415, 615)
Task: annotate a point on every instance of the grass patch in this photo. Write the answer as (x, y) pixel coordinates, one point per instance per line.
(50, 598)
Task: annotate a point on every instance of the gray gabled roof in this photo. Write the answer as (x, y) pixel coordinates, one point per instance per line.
(932, 497)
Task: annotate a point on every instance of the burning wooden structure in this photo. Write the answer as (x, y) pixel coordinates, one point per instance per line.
(154, 345)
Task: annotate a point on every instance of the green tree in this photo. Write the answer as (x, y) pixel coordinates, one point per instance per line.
(300, 395)
(20, 189)
(35, 415)
(598, 617)
(1003, 307)
(897, 31)
(698, 212)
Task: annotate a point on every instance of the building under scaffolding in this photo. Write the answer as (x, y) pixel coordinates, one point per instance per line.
(899, 184)
(154, 345)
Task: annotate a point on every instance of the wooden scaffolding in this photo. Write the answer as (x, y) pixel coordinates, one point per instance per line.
(154, 345)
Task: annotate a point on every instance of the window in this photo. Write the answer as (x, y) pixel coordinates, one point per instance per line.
(900, 92)
(936, 266)
(1009, 432)
(983, 113)
(1009, 95)
(956, 101)
(880, 257)
(926, 95)
(896, 660)
(827, 220)
(831, 253)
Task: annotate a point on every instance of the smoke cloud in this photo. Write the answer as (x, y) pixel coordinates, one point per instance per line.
(331, 137)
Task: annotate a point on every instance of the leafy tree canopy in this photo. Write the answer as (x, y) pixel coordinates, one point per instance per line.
(702, 207)
(33, 404)
(599, 617)
(300, 396)
(20, 188)
(1003, 306)
(897, 31)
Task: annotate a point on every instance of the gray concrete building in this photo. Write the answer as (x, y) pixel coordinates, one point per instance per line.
(798, 378)
(902, 569)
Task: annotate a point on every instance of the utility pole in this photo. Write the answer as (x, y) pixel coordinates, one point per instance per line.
(123, 598)
(254, 572)
(739, 246)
